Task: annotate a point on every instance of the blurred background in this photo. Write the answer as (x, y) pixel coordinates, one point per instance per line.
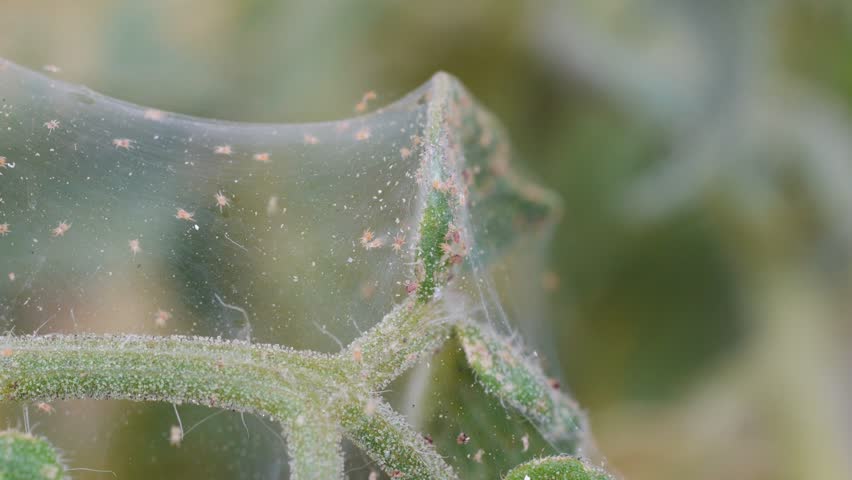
(701, 277)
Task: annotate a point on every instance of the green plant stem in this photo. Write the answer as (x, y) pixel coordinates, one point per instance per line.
(311, 394)
(388, 439)
(399, 340)
(520, 383)
(313, 441)
(27, 457)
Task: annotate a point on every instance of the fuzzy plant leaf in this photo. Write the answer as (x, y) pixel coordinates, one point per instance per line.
(156, 257)
(557, 468)
(27, 457)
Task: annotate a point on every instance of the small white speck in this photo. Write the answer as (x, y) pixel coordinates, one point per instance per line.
(197, 227)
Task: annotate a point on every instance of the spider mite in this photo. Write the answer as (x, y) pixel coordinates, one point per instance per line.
(11, 276)
(478, 456)
(51, 125)
(463, 438)
(550, 281)
(370, 407)
(357, 355)
(367, 237)
(396, 474)
(368, 290)
(261, 157)
(6, 352)
(153, 114)
(134, 246)
(223, 150)
(398, 242)
(405, 152)
(3, 163)
(373, 475)
(310, 139)
(175, 436)
(411, 287)
(221, 200)
(361, 106)
(161, 318)
(184, 215)
(4, 229)
(61, 229)
(122, 143)
(369, 240)
(363, 134)
(453, 234)
(45, 407)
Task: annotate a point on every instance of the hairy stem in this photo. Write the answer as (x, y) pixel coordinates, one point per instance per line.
(313, 441)
(520, 383)
(311, 394)
(398, 341)
(388, 439)
(26, 456)
(557, 468)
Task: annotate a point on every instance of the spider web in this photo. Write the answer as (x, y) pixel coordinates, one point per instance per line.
(121, 219)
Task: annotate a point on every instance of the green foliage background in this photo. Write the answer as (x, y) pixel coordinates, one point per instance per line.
(662, 326)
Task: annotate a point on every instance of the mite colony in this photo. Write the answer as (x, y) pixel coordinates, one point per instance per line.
(453, 248)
